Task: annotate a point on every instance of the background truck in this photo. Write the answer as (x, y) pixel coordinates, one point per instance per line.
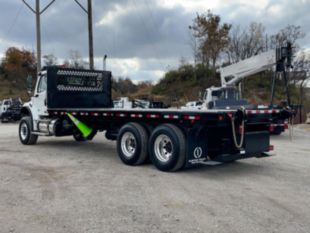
(10, 109)
(229, 96)
(78, 103)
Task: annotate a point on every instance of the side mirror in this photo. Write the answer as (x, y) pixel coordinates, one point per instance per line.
(29, 84)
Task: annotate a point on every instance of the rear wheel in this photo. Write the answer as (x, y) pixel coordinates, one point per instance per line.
(132, 144)
(167, 148)
(25, 132)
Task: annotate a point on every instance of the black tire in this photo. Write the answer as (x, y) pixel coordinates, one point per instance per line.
(92, 135)
(79, 137)
(277, 131)
(175, 142)
(136, 152)
(25, 132)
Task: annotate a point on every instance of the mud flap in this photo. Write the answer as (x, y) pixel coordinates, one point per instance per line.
(256, 142)
(196, 149)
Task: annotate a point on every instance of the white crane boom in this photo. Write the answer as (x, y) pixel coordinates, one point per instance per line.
(232, 74)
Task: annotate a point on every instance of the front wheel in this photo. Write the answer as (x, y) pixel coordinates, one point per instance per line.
(25, 132)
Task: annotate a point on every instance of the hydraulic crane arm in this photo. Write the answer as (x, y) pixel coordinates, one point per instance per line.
(232, 74)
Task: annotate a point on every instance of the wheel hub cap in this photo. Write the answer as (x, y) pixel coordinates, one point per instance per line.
(128, 144)
(24, 131)
(163, 148)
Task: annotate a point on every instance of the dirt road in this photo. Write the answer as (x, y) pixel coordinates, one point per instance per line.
(60, 185)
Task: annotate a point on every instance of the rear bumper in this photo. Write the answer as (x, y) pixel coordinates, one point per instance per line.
(228, 158)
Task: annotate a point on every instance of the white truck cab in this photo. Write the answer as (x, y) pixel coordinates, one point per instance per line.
(38, 104)
(218, 97)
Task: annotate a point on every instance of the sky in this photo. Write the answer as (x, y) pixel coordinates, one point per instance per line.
(142, 38)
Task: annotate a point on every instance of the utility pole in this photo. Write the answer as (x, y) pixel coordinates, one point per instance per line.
(105, 62)
(89, 13)
(38, 13)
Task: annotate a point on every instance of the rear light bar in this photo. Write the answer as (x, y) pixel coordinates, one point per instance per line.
(265, 111)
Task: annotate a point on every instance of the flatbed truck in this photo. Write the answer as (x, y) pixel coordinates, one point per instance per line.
(78, 103)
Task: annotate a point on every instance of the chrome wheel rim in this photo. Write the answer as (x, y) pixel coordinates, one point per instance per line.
(163, 148)
(24, 131)
(128, 145)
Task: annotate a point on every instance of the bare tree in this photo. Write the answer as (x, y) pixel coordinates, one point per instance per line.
(50, 60)
(75, 60)
(291, 33)
(194, 45)
(246, 43)
(300, 76)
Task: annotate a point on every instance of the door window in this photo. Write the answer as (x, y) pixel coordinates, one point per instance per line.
(42, 84)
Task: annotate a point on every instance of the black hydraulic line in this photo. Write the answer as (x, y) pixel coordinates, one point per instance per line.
(273, 87)
(286, 80)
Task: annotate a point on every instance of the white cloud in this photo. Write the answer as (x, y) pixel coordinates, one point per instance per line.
(5, 44)
(112, 15)
(275, 10)
(204, 5)
(190, 5)
(137, 69)
(259, 5)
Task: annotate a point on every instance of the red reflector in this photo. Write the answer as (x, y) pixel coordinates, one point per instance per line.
(221, 118)
(271, 147)
(271, 127)
(194, 118)
(152, 116)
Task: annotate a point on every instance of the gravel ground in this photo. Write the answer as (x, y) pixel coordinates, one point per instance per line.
(59, 185)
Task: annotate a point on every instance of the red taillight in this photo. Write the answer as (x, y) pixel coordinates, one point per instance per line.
(285, 124)
(271, 127)
(271, 148)
(241, 129)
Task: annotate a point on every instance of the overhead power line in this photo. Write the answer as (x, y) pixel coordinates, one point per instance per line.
(15, 19)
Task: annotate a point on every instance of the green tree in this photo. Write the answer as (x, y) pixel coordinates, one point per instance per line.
(212, 35)
(17, 64)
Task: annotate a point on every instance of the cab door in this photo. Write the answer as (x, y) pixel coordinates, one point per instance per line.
(39, 103)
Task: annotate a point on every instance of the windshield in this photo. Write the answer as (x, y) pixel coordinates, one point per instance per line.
(226, 94)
